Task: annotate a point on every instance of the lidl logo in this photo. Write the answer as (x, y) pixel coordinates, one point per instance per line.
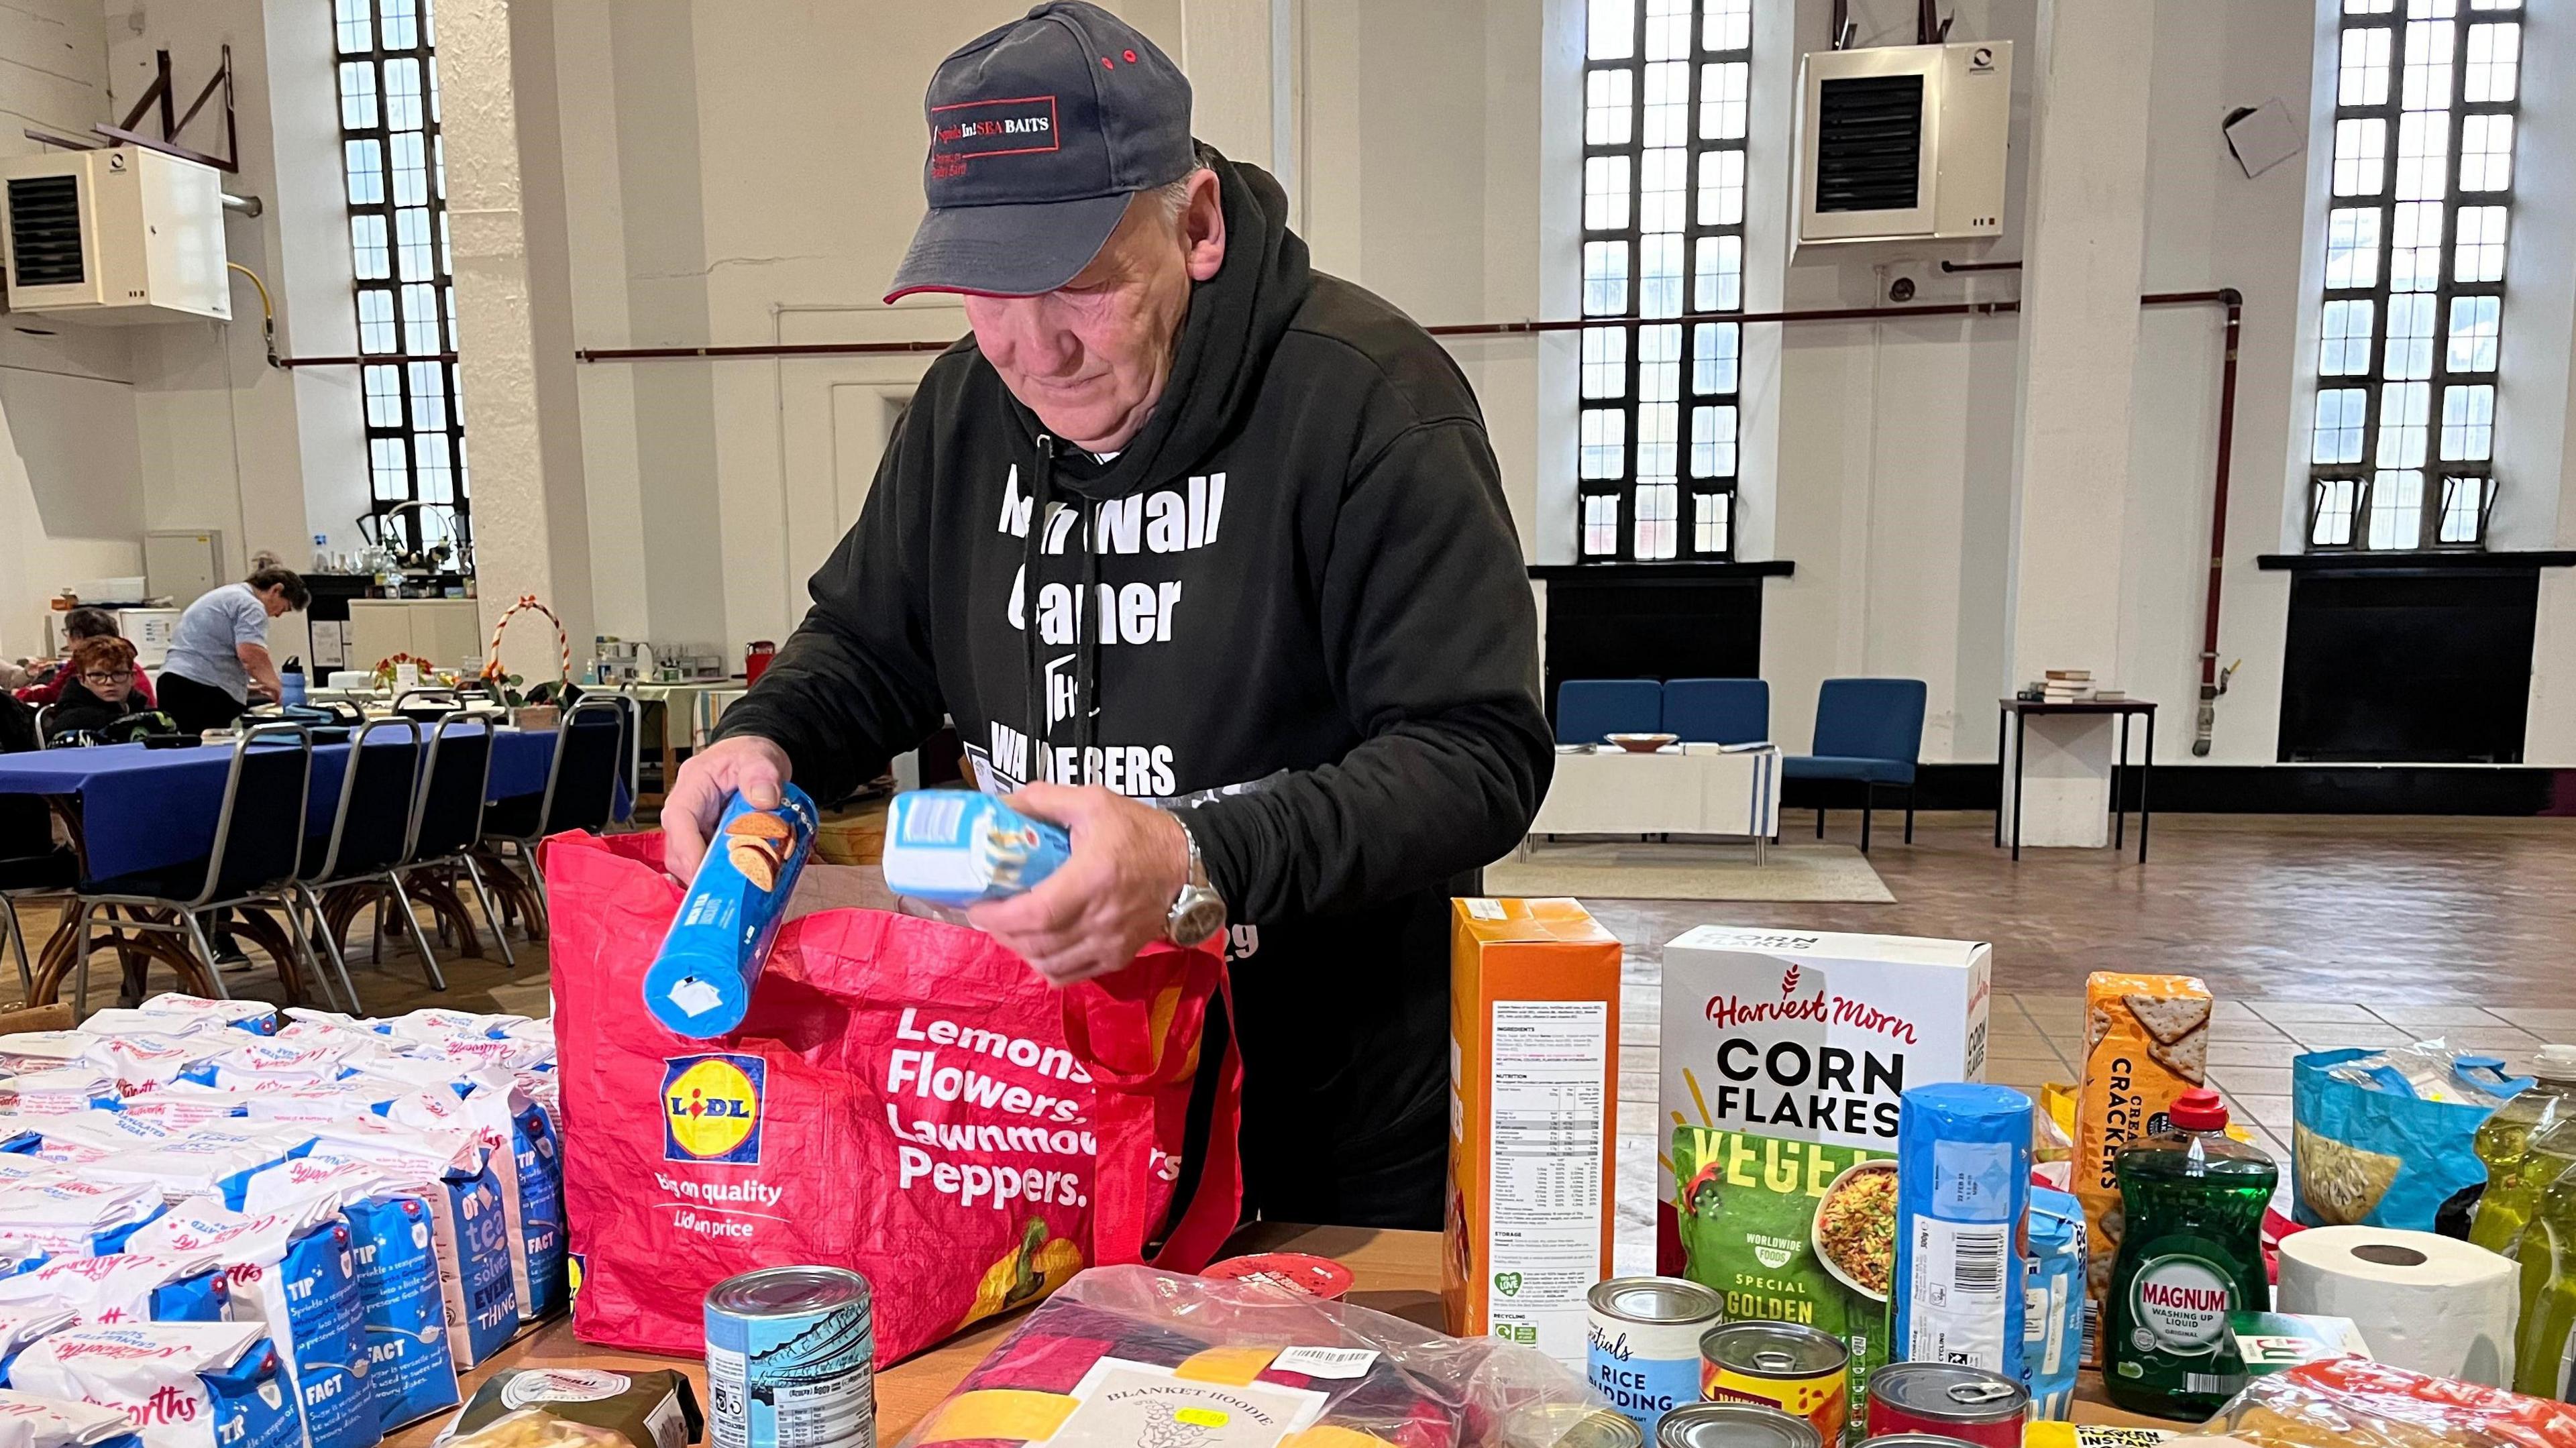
(711, 1107)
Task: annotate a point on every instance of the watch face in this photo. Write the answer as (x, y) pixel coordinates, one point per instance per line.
(1200, 914)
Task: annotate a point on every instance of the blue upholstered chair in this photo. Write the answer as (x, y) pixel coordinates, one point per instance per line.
(1869, 731)
(1587, 709)
(1718, 711)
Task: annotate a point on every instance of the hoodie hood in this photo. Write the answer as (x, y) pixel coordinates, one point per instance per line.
(1235, 321)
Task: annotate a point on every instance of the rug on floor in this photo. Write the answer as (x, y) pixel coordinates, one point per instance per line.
(1632, 870)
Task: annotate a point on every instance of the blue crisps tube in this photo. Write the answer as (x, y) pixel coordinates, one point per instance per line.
(1962, 1187)
(957, 847)
(701, 982)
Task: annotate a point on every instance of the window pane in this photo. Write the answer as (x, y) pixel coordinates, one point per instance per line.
(2396, 508)
(376, 320)
(411, 231)
(2410, 336)
(2463, 509)
(1721, 188)
(1659, 426)
(1605, 362)
(2423, 155)
(1659, 277)
(354, 25)
(387, 470)
(1667, 103)
(2334, 502)
(1609, 107)
(2368, 7)
(2340, 411)
(384, 396)
(2415, 247)
(1605, 442)
(1658, 517)
(420, 319)
(1712, 442)
(1661, 189)
(2495, 57)
(402, 24)
(2360, 156)
(1659, 370)
(357, 95)
(429, 456)
(366, 164)
(2427, 83)
(368, 255)
(2345, 347)
(1723, 87)
(1668, 29)
(2468, 423)
(1605, 193)
(1713, 357)
(2352, 247)
(2364, 77)
(402, 95)
(1600, 525)
(1611, 30)
(1727, 24)
(2475, 321)
(1709, 522)
(1717, 270)
(429, 395)
(1605, 278)
(2486, 153)
(2405, 412)
(2479, 256)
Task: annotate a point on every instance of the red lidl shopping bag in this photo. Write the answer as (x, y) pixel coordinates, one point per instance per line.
(906, 1099)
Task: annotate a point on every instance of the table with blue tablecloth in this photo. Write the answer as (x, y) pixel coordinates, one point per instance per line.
(135, 808)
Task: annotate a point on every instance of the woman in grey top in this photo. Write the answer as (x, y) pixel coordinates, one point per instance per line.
(220, 649)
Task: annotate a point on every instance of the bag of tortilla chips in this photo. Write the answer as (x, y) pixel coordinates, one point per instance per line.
(2389, 1153)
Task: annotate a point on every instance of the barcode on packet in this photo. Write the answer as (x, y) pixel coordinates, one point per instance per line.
(2220, 1385)
(1977, 1261)
(2092, 1330)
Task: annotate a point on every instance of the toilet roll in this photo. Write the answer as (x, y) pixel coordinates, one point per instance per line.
(2425, 1302)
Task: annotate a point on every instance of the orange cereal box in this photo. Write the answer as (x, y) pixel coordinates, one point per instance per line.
(2146, 1041)
(1533, 1091)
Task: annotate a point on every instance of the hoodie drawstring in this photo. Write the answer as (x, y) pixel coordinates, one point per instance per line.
(1087, 622)
(1032, 561)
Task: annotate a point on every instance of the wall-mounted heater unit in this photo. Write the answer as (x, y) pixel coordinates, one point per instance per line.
(126, 234)
(1903, 142)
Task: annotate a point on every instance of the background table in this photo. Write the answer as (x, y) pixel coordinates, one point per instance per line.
(1684, 789)
(141, 809)
(2015, 716)
(1394, 1272)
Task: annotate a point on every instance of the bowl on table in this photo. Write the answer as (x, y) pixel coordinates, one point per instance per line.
(1642, 743)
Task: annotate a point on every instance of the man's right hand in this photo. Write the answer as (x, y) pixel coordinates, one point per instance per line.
(752, 767)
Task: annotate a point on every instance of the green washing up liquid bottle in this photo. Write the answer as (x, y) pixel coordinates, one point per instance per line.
(2193, 1252)
(2528, 1213)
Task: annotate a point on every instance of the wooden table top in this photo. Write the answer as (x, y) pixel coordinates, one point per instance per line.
(1397, 1273)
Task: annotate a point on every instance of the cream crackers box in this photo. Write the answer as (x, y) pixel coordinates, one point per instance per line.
(1810, 1036)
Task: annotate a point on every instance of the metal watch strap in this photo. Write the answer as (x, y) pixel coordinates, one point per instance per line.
(1197, 910)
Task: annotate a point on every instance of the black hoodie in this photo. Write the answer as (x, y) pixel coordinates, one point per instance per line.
(1317, 642)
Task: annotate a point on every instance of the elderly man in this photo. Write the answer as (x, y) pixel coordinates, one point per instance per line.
(1182, 522)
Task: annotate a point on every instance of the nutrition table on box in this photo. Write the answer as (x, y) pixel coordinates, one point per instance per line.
(1393, 1272)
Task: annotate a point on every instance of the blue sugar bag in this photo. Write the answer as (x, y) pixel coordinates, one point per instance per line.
(1962, 1187)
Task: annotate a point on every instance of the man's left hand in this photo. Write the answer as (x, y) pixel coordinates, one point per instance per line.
(1111, 898)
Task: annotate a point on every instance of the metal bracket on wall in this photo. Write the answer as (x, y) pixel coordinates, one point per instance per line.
(161, 94)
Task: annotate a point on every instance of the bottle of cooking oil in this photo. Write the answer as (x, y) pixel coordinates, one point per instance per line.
(2193, 1253)
(2528, 1213)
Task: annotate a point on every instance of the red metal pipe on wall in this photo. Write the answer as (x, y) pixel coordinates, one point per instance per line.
(2212, 683)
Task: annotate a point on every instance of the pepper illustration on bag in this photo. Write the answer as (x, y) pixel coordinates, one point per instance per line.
(1033, 1269)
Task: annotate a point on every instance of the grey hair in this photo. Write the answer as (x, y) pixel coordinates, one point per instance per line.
(1175, 195)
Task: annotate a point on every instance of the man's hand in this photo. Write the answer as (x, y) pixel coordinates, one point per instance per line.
(1110, 899)
(752, 767)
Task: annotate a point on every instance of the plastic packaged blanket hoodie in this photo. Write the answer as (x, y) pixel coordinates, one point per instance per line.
(1129, 1355)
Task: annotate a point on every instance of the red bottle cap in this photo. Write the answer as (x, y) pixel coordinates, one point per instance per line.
(2198, 1109)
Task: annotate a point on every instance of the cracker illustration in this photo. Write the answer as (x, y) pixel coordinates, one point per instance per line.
(755, 862)
(2187, 1057)
(761, 827)
(2168, 1018)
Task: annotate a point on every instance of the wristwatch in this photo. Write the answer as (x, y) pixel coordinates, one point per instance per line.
(1198, 911)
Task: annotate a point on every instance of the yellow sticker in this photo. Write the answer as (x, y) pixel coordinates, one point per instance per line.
(1200, 1417)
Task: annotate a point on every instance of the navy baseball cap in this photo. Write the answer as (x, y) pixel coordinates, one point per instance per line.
(1039, 132)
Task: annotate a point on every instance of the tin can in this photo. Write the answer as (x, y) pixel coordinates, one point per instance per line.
(1315, 1276)
(1645, 1334)
(1734, 1425)
(791, 1360)
(1571, 1425)
(1966, 1403)
(1914, 1440)
(1796, 1369)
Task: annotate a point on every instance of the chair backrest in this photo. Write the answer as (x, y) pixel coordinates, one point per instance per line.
(379, 797)
(1870, 718)
(44, 726)
(581, 779)
(1718, 711)
(1588, 709)
(452, 787)
(259, 827)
